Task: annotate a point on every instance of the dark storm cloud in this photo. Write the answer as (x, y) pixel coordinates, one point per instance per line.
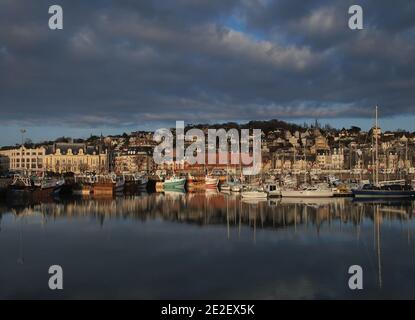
(120, 63)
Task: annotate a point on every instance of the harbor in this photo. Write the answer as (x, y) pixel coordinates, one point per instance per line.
(280, 248)
(109, 213)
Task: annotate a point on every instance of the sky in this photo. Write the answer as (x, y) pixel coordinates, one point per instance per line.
(125, 65)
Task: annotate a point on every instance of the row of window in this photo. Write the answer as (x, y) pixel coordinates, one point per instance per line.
(17, 154)
(75, 162)
(28, 166)
(33, 160)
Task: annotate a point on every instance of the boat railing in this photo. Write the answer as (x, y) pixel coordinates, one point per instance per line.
(26, 181)
(392, 182)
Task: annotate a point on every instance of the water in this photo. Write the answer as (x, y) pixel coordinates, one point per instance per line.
(214, 246)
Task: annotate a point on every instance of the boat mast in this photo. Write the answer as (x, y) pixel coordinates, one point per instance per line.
(377, 147)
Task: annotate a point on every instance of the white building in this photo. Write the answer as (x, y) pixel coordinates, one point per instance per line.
(24, 159)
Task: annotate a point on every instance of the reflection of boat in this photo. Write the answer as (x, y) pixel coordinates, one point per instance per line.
(383, 201)
(174, 193)
(211, 192)
(316, 191)
(254, 200)
(312, 201)
(272, 202)
(174, 183)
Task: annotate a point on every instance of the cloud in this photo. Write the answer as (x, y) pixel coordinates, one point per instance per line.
(120, 63)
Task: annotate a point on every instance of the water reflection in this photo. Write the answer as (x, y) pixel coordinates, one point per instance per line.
(297, 224)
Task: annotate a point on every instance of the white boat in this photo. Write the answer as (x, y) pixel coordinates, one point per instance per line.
(273, 189)
(308, 192)
(254, 193)
(225, 187)
(236, 188)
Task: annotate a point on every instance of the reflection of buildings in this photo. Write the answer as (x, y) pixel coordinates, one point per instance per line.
(219, 209)
(285, 217)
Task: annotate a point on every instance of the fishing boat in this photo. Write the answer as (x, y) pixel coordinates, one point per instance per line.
(49, 185)
(81, 189)
(211, 182)
(141, 182)
(174, 182)
(385, 189)
(135, 182)
(119, 184)
(82, 185)
(195, 183)
(23, 185)
(107, 185)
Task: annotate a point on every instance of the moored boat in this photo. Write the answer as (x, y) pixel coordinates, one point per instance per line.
(174, 182)
(387, 189)
(211, 182)
(316, 191)
(273, 189)
(236, 188)
(253, 192)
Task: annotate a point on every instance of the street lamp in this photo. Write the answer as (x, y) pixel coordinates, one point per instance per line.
(22, 131)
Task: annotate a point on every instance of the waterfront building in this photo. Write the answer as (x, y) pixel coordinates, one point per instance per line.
(4, 163)
(133, 160)
(23, 159)
(76, 158)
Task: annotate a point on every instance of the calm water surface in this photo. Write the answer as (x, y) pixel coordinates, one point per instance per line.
(213, 246)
